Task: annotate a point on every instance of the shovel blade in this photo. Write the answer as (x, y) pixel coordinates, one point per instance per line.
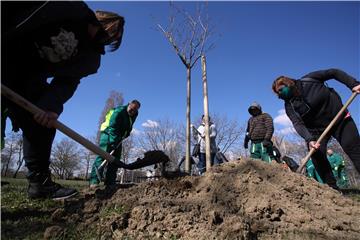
(150, 158)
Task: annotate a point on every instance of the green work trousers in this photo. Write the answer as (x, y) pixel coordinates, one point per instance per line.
(110, 176)
(258, 151)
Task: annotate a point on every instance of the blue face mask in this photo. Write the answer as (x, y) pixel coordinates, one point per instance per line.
(285, 93)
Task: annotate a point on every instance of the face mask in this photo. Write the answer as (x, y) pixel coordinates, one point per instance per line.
(285, 93)
(255, 112)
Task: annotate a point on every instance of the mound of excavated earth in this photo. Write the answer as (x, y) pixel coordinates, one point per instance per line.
(238, 200)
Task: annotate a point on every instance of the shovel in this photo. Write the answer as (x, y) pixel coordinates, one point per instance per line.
(25, 104)
(97, 170)
(326, 131)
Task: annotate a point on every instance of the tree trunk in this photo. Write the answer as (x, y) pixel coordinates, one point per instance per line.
(206, 114)
(20, 161)
(87, 167)
(188, 107)
(9, 160)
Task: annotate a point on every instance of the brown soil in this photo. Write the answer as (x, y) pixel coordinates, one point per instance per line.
(238, 200)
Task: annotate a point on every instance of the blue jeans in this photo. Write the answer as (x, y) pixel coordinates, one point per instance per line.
(202, 162)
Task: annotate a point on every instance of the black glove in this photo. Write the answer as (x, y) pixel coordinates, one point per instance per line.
(246, 142)
(267, 143)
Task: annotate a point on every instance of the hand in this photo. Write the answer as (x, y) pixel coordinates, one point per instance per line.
(314, 145)
(356, 89)
(46, 119)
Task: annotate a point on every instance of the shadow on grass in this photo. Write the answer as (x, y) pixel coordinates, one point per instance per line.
(24, 224)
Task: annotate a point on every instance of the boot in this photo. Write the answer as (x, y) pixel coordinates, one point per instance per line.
(41, 186)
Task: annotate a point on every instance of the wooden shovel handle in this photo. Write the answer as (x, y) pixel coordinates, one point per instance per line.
(326, 131)
(22, 102)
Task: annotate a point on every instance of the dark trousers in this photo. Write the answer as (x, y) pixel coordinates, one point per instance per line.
(202, 161)
(346, 133)
(37, 140)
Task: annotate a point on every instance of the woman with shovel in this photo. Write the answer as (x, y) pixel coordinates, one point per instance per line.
(311, 106)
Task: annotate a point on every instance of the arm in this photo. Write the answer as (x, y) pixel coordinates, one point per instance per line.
(213, 131)
(332, 73)
(60, 90)
(298, 123)
(247, 139)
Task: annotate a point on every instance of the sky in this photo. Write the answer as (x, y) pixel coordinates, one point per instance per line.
(255, 43)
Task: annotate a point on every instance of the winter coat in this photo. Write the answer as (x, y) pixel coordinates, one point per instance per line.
(52, 42)
(260, 128)
(201, 137)
(317, 105)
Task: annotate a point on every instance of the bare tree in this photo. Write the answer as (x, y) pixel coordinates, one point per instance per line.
(10, 149)
(230, 133)
(115, 99)
(65, 158)
(162, 136)
(19, 151)
(126, 154)
(188, 34)
(87, 157)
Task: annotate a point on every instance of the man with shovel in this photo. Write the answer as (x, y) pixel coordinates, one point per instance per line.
(59, 40)
(116, 127)
(311, 106)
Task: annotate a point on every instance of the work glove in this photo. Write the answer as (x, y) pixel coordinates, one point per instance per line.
(267, 143)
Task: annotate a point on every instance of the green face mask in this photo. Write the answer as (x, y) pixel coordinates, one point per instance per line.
(285, 93)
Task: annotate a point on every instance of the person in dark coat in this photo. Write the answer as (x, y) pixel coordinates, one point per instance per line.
(311, 106)
(259, 131)
(47, 48)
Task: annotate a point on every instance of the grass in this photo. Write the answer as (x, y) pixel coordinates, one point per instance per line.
(23, 218)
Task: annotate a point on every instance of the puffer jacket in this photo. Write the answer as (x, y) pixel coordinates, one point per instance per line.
(260, 127)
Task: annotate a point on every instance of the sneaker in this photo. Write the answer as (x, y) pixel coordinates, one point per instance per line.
(49, 189)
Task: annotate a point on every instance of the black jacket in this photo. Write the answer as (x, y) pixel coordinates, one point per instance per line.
(317, 104)
(28, 27)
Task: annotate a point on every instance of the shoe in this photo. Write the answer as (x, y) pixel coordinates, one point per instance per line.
(49, 189)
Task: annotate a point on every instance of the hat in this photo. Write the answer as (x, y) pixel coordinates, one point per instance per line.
(254, 106)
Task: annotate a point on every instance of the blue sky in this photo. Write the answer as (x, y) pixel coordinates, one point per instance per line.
(259, 41)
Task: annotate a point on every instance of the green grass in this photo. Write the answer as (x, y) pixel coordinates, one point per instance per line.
(110, 210)
(23, 218)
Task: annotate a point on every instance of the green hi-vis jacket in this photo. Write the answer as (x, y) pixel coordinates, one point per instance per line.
(118, 124)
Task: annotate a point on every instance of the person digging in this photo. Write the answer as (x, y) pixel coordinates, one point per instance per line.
(311, 106)
(47, 48)
(116, 127)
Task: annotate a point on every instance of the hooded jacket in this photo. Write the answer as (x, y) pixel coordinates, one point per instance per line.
(317, 105)
(259, 127)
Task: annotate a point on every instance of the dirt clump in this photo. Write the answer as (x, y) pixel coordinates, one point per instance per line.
(238, 200)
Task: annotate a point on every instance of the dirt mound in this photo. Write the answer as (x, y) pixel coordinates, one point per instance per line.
(238, 200)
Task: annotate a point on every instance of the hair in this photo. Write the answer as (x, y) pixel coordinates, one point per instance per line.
(136, 102)
(113, 26)
(202, 117)
(282, 80)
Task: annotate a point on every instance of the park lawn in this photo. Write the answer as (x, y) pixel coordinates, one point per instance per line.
(22, 218)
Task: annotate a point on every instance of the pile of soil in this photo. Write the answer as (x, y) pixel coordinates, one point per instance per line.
(237, 200)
